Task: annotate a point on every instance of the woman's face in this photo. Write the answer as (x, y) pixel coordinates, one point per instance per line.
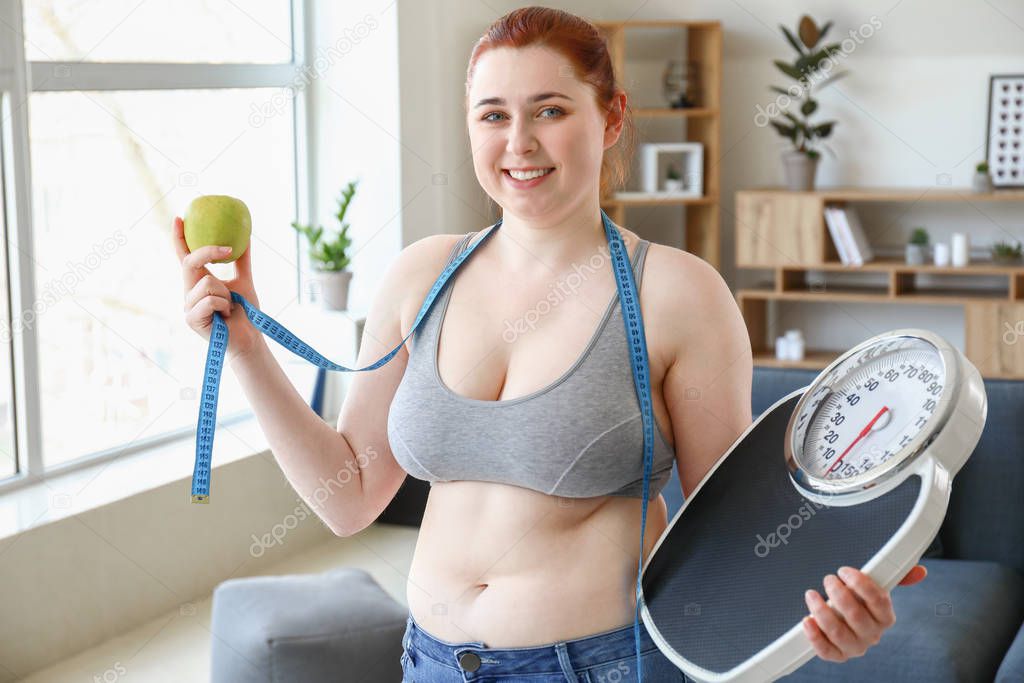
(565, 131)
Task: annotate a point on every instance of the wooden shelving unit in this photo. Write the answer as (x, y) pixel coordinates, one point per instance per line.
(785, 232)
(703, 40)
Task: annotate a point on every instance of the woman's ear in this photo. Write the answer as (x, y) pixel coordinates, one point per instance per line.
(615, 119)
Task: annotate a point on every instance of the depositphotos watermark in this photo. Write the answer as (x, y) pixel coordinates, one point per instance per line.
(55, 289)
(279, 102)
(1013, 332)
(277, 533)
(112, 674)
(824, 69)
(782, 533)
(559, 293)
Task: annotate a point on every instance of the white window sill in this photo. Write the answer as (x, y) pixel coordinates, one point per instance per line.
(93, 486)
(62, 495)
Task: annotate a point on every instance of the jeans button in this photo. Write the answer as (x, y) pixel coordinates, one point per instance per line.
(470, 661)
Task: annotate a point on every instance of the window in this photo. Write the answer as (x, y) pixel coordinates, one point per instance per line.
(200, 31)
(8, 461)
(133, 110)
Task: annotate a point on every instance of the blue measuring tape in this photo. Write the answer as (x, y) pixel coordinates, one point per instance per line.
(629, 300)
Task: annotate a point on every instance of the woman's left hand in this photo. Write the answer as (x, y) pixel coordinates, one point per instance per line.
(857, 613)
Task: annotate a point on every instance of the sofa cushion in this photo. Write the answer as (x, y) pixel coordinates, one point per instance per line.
(954, 626)
(1012, 668)
(985, 520)
(271, 629)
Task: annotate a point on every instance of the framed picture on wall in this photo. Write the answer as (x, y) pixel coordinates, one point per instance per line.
(1005, 133)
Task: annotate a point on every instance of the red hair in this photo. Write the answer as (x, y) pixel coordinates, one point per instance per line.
(585, 47)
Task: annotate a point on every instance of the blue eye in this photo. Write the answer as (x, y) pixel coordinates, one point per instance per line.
(487, 118)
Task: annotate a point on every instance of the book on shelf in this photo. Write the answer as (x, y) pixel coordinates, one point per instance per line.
(848, 235)
(837, 239)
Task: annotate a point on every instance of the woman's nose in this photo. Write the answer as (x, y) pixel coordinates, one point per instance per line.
(521, 140)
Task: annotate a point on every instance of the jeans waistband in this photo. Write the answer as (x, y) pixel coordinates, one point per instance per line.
(598, 647)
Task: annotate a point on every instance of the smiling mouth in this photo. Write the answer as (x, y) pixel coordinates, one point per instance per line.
(532, 174)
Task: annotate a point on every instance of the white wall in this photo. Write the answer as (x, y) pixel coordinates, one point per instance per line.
(912, 109)
(356, 104)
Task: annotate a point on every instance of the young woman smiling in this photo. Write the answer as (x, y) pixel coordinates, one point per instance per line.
(525, 564)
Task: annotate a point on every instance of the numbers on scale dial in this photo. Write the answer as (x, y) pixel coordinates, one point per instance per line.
(873, 413)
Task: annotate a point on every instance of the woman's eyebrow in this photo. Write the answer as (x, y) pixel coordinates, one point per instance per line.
(535, 98)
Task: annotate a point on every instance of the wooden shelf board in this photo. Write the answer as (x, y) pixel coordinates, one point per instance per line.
(819, 359)
(667, 112)
(648, 200)
(813, 359)
(659, 23)
(898, 194)
(888, 265)
(877, 295)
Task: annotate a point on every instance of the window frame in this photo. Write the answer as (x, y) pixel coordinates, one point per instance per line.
(19, 79)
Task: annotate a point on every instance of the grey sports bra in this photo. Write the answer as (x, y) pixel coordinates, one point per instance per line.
(578, 437)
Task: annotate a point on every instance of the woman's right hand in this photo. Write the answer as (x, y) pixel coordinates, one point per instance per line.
(205, 293)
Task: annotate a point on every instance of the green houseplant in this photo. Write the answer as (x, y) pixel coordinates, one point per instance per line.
(917, 247)
(330, 256)
(1006, 253)
(673, 180)
(801, 162)
(982, 181)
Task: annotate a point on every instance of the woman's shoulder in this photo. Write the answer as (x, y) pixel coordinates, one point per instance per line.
(672, 270)
(415, 269)
(683, 288)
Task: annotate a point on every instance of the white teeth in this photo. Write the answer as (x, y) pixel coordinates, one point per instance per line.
(527, 175)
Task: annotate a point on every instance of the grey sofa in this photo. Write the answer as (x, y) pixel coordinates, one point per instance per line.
(962, 623)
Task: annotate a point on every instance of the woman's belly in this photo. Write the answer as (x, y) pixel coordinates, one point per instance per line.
(511, 567)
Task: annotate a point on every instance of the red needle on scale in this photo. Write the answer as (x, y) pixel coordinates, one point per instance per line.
(863, 433)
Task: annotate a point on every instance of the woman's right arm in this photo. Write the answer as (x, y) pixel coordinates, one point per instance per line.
(347, 475)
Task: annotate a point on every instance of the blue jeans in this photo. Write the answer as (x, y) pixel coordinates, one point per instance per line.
(607, 657)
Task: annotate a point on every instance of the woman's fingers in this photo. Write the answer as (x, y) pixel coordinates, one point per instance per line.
(208, 285)
(201, 315)
(243, 264)
(193, 263)
(178, 238)
(915, 575)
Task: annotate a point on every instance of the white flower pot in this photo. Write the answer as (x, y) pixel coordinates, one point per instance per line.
(331, 288)
(916, 254)
(982, 182)
(800, 170)
(673, 185)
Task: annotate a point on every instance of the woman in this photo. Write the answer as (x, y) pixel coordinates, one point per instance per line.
(524, 417)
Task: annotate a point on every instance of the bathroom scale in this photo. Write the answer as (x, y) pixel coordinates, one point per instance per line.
(855, 469)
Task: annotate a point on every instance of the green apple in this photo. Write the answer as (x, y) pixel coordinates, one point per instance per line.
(221, 220)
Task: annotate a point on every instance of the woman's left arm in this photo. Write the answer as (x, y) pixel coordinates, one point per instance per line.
(707, 390)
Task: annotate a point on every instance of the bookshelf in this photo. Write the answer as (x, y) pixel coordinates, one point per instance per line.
(785, 232)
(702, 42)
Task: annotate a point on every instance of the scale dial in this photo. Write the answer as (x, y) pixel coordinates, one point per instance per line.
(871, 412)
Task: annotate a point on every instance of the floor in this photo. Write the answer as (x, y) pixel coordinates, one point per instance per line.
(176, 646)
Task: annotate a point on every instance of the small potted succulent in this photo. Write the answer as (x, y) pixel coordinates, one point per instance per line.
(330, 258)
(1006, 253)
(917, 247)
(809, 71)
(673, 181)
(982, 181)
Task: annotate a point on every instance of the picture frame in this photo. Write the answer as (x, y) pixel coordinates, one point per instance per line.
(1004, 134)
(654, 159)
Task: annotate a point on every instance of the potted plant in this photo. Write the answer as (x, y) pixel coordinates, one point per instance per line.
(801, 163)
(673, 181)
(982, 179)
(917, 247)
(329, 257)
(1006, 253)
